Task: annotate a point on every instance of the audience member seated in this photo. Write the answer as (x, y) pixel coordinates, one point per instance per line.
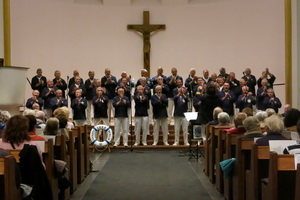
(4, 117)
(294, 149)
(261, 116)
(224, 120)
(16, 136)
(248, 111)
(63, 122)
(291, 118)
(64, 110)
(52, 126)
(216, 112)
(274, 128)
(28, 112)
(40, 122)
(252, 127)
(32, 128)
(286, 108)
(36, 106)
(238, 123)
(270, 111)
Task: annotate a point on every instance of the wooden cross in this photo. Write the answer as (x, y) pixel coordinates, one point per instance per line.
(146, 29)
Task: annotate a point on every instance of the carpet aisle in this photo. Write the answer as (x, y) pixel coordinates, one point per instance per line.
(149, 175)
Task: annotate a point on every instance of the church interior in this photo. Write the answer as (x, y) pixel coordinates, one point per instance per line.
(243, 53)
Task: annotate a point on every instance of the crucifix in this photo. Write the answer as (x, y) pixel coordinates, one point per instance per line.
(146, 29)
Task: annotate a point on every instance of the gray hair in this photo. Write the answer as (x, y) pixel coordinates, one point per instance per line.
(239, 119)
(28, 112)
(223, 118)
(52, 126)
(261, 115)
(270, 111)
(216, 112)
(39, 114)
(275, 124)
(251, 124)
(4, 116)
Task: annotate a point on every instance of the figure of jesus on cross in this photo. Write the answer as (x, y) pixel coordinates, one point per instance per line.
(146, 29)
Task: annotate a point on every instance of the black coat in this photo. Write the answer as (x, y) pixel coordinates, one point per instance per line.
(33, 172)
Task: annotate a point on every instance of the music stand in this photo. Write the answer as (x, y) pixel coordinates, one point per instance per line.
(192, 119)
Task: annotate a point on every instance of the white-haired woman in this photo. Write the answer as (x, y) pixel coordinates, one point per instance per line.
(274, 128)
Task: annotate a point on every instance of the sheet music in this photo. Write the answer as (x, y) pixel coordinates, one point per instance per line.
(279, 145)
(191, 115)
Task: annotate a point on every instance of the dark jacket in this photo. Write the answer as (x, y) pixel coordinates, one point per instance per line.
(159, 106)
(208, 104)
(33, 172)
(227, 103)
(35, 81)
(141, 105)
(181, 106)
(100, 107)
(89, 86)
(264, 141)
(122, 108)
(79, 108)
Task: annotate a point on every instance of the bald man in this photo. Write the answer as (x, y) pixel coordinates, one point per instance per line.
(35, 99)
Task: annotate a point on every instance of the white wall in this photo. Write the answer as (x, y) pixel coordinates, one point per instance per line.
(67, 35)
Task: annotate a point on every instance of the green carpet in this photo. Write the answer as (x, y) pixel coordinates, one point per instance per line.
(149, 175)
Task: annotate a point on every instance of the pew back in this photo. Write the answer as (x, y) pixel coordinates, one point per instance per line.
(9, 190)
(281, 179)
(260, 156)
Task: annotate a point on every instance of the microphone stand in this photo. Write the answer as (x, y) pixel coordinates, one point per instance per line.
(131, 133)
(68, 90)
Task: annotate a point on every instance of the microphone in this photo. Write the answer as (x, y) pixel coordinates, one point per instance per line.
(67, 77)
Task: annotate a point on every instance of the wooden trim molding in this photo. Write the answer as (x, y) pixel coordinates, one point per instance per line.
(288, 51)
(6, 28)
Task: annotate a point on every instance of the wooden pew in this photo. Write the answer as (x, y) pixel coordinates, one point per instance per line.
(297, 189)
(72, 152)
(260, 156)
(86, 144)
(9, 190)
(212, 151)
(241, 168)
(79, 146)
(225, 150)
(208, 131)
(220, 151)
(282, 177)
(60, 153)
(15, 153)
(48, 157)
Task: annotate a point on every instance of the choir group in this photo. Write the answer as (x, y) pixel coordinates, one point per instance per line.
(157, 99)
